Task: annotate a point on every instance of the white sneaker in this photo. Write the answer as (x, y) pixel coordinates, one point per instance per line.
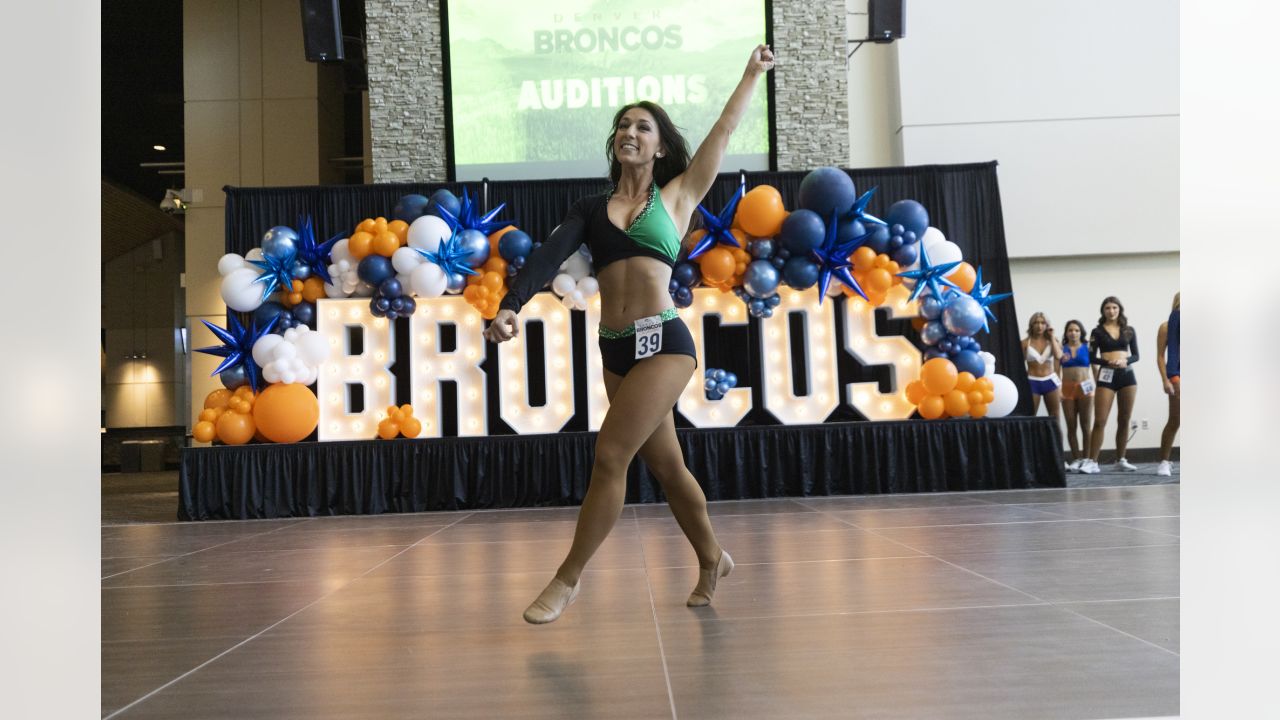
(1123, 465)
(1164, 469)
(1074, 465)
(1090, 467)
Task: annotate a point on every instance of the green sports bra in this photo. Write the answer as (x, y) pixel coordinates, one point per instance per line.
(652, 230)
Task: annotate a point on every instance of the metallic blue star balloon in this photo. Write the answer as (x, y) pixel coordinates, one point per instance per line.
(833, 259)
(718, 227)
(982, 293)
(469, 217)
(316, 256)
(237, 346)
(450, 256)
(930, 276)
(277, 272)
(858, 211)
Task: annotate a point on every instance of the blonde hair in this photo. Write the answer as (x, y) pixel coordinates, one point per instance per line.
(1032, 322)
(1177, 300)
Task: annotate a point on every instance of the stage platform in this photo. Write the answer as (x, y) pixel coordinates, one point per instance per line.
(396, 476)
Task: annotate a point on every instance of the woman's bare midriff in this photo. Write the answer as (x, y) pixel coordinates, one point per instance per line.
(1115, 355)
(633, 288)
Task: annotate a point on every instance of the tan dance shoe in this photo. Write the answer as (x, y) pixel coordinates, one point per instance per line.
(701, 595)
(553, 601)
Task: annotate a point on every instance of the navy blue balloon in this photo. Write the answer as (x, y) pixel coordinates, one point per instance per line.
(802, 232)
(515, 244)
(848, 230)
(684, 297)
(382, 304)
(774, 301)
(827, 190)
(930, 307)
(410, 305)
(800, 273)
(909, 237)
(970, 362)
(895, 242)
(932, 353)
(879, 240)
(722, 388)
(397, 304)
(234, 376)
(410, 208)
(686, 273)
(932, 333)
(266, 312)
(375, 311)
(946, 346)
(782, 252)
(442, 198)
(280, 242)
(907, 255)
(910, 214)
(301, 270)
(476, 243)
(375, 269)
(963, 315)
(761, 278)
(777, 262)
(762, 249)
(305, 313)
(391, 287)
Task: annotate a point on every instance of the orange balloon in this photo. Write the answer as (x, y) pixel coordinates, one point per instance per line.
(965, 381)
(360, 244)
(963, 276)
(400, 229)
(932, 407)
(717, 264)
(482, 292)
(470, 293)
(209, 415)
(881, 261)
(864, 258)
(293, 295)
(983, 383)
(956, 402)
(217, 398)
(379, 224)
(939, 376)
(492, 281)
(312, 289)
(879, 279)
(915, 392)
(918, 322)
(388, 429)
(366, 225)
(286, 413)
(975, 398)
(235, 428)
(988, 397)
(978, 410)
(411, 427)
(385, 243)
(496, 264)
(203, 431)
(760, 211)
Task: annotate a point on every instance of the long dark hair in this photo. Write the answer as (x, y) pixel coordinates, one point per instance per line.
(675, 149)
(1084, 339)
(1121, 319)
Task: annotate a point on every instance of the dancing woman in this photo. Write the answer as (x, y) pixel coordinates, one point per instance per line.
(634, 233)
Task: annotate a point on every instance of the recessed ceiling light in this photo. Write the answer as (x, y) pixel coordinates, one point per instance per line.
(158, 147)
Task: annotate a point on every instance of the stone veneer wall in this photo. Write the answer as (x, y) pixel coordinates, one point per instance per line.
(406, 87)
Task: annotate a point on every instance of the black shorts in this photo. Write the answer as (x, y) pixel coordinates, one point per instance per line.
(618, 355)
(1120, 379)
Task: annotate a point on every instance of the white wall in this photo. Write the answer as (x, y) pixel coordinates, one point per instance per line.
(1073, 288)
(1077, 101)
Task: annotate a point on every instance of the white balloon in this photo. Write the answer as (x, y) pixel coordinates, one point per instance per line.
(404, 260)
(288, 377)
(1006, 396)
(989, 360)
(428, 280)
(576, 266)
(291, 334)
(340, 252)
(254, 254)
(308, 375)
(334, 290)
(229, 262)
(427, 232)
(835, 289)
(563, 284)
(568, 302)
(932, 237)
(945, 252)
(313, 349)
(270, 374)
(285, 351)
(578, 299)
(588, 286)
(239, 291)
(264, 350)
(344, 266)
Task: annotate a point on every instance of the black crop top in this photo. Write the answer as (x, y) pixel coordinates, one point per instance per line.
(1100, 341)
(587, 222)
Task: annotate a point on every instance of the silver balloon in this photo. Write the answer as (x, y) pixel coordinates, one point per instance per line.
(930, 307)
(280, 242)
(963, 315)
(301, 270)
(457, 283)
(932, 332)
(476, 244)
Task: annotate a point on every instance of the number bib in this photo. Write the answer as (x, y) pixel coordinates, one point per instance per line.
(1087, 387)
(648, 336)
(1106, 375)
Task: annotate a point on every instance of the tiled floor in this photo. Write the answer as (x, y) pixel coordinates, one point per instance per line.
(1018, 604)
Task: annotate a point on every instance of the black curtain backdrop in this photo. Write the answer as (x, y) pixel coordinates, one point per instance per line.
(963, 202)
(381, 476)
